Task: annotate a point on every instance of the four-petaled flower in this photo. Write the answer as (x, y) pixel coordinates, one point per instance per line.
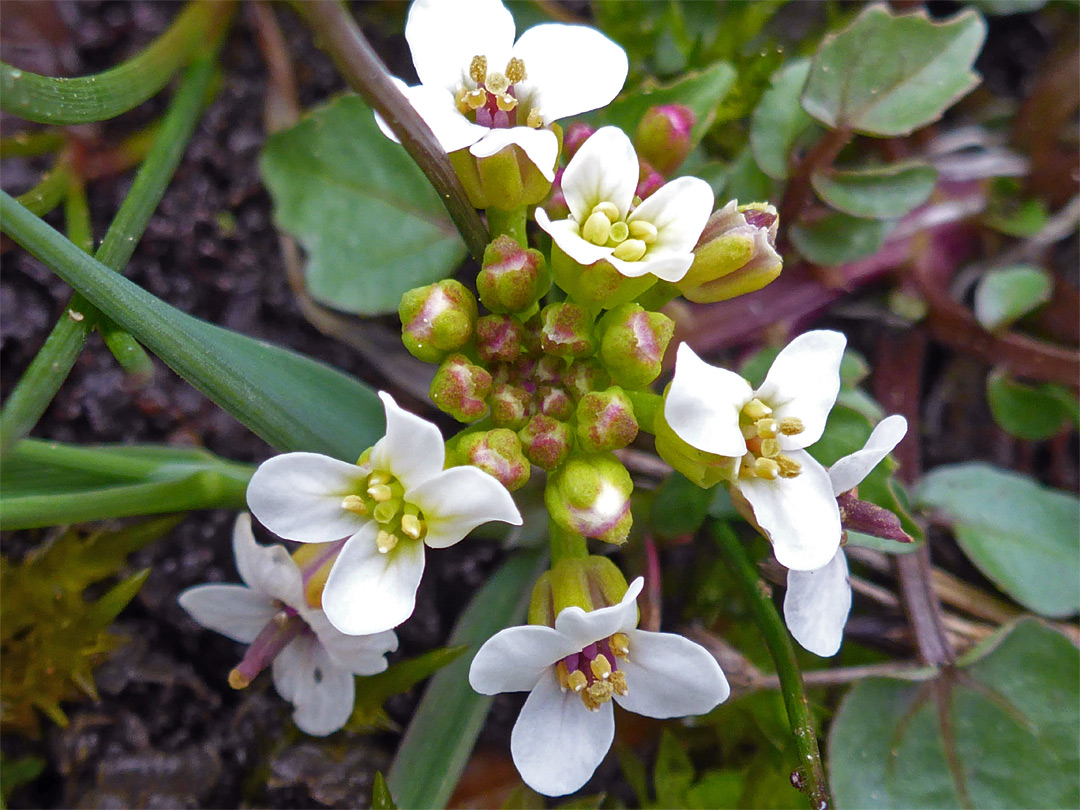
(574, 670)
(313, 663)
(482, 91)
(389, 505)
(817, 603)
(765, 431)
(657, 237)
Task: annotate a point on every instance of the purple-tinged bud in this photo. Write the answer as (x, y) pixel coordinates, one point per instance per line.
(512, 278)
(649, 180)
(584, 376)
(460, 388)
(533, 329)
(663, 136)
(567, 330)
(498, 453)
(576, 134)
(556, 206)
(605, 421)
(590, 495)
(547, 441)
(555, 402)
(437, 319)
(549, 370)
(735, 255)
(498, 337)
(507, 179)
(632, 344)
(869, 518)
(509, 406)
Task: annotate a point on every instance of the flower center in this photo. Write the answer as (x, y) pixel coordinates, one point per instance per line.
(594, 672)
(494, 101)
(382, 498)
(606, 228)
(286, 625)
(762, 432)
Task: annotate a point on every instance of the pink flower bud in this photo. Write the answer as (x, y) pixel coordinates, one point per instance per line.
(663, 136)
(460, 388)
(566, 330)
(547, 441)
(498, 337)
(498, 453)
(512, 278)
(632, 344)
(605, 421)
(437, 319)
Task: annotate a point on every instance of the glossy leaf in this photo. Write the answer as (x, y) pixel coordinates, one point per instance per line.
(883, 192)
(291, 401)
(1020, 534)
(779, 120)
(1032, 412)
(1007, 294)
(889, 75)
(371, 223)
(838, 238)
(1013, 715)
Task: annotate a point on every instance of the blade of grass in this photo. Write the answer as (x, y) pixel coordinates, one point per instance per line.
(50, 191)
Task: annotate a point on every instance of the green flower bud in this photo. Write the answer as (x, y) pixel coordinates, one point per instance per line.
(460, 388)
(590, 583)
(584, 376)
(590, 495)
(555, 402)
(704, 469)
(437, 319)
(509, 406)
(598, 284)
(663, 136)
(547, 441)
(542, 602)
(498, 453)
(506, 180)
(549, 370)
(498, 337)
(605, 421)
(632, 344)
(512, 278)
(566, 331)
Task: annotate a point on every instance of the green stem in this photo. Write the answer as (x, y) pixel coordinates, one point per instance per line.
(31, 144)
(646, 406)
(49, 369)
(565, 544)
(104, 95)
(48, 193)
(658, 296)
(787, 669)
(77, 222)
(511, 223)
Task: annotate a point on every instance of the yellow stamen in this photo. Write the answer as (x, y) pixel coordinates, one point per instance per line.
(497, 83)
(515, 71)
(505, 102)
(748, 430)
(380, 492)
(756, 409)
(791, 426)
(767, 428)
(770, 448)
(618, 682)
(597, 228)
(600, 666)
(645, 231)
(766, 468)
(608, 209)
(597, 694)
(563, 674)
(478, 69)
(238, 680)
(619, 231)
(476, 99)
(577, 680)
(789, 467)
(385, 541)
(379, 477)
(620, 644)
(412, 526)
(354, 503)
(631, 250)
(535, 119)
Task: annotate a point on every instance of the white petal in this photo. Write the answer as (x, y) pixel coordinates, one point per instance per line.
(817, 604)
(572, 68)
(322, 693)
(679, 209)
(585, 627)
(803, 382)
(436, 106)
(605, 168)
(298, 496)
(567, 236)
(670, 676)
(557, 743)
(541, 146)
(362, 655)
(514, 659)
(458, 500)
(368, 592)
(268, 570)
(799, 515)
(232, 610)
(703, 403)
(445, 35)
(667, 266)
(412, 448)
(849, 471)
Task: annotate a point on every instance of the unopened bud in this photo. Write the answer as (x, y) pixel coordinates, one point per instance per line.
(663, 136)
(649, 180)
(556, 206)
(512, 278)
(555, 402)
(460, 388)
(546, 441)
(498, 337)
(509, 406)
(566, 330)
(869, 518)
(598, 284)
(576, 134)
(437, 319)
(549, 370)
(542, 605)
(590, 583)
(498, 453)
(583, 376)
(632, 344)
(507, 180)
(590, 495)
(605, 421)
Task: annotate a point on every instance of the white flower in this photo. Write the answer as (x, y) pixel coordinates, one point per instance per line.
(391, 504)
(313, 664)
(482, 91)
(574, 670)
(717, 411)
(657, 237)
(817, 603)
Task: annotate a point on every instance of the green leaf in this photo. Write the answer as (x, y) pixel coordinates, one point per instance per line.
(881, 192)
(838, 238)
(444, 728)
(380, 794)
(679, 507)
(1013, 716)
(372, 691)
(720, 788)
(778, 120)
(1020, 534)
(997, 8)
(291, 401)
(887, 75)
(1007, 294)
(673, 773)
(370, 221)
(1032, 412)
(17, 772)
(745, 181)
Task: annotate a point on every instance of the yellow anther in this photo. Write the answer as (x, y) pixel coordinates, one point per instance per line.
(756, 409)
(459, 100)
(619, 231)
(645, 231)
(576, 680)
(620, 644)
(412, 526)
(789, 467)
(379, 477)
(791, 426)
(505, 102)
(618, 682)
(380, 492)
(497, 83)
(387, 510)
(770, 448)
(535, 119)
(597, 228)
(596, 695)
(748, 430)
(631, 250)
(313, 588)
(608, 209)
(767, 428)
(238, 680)
(563, 675)
(766, 468)
(354, 503)
(478, 69)
(515, 70)
(476, 99)
(385, 541)
(600, 666)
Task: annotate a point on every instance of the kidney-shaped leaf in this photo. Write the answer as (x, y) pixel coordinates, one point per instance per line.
(882, 192)
(778, 120)
(371, 223)
(838, 238)
(1007, 294)
(888, 75)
